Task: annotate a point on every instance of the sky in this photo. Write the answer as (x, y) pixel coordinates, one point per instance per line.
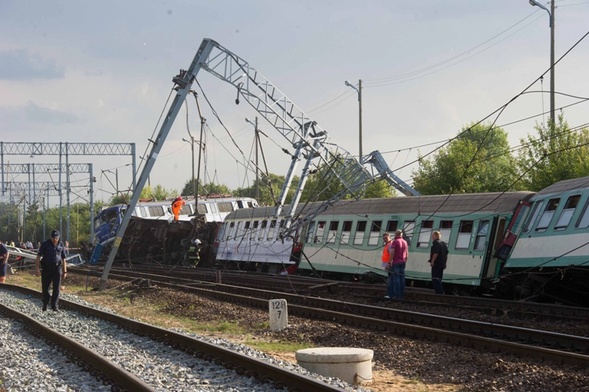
(101, 72)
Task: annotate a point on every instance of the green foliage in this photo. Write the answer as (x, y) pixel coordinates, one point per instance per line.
(121, 198)
(161, 193)
(326, 183)
(477, 160)
(557, 153)
(206, 189)
(9, 222)
(147, 193)
(38, 223)
(380, 189)
(267, 189)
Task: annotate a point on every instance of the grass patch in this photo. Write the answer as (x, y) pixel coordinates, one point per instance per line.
(276, 346)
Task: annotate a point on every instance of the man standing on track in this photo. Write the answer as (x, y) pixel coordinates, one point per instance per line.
(399, 254)
(51, 258)
(386, 263)
(437, 260)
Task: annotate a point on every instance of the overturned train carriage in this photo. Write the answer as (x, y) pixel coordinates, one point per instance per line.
(153, 236)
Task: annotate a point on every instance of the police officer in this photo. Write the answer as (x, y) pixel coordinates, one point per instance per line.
(51, 257)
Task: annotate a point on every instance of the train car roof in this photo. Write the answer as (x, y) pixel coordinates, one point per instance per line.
(456, 203)
(459, 202)
(566, 185)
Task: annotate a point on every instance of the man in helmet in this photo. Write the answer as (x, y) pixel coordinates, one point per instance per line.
(194, 253)
(177, 206)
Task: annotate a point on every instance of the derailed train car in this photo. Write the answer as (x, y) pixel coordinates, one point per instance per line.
(551, 255)
(345, 241)
(512, 245)
(153, 236)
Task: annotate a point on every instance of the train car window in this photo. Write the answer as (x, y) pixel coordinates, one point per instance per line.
(425, 234)
(374, 233)
(567, 213)
(225, 206)
(155, 211)
(239, 204)
(239, 231)
(547, 215)
(332, 235)
(533, 216)
(520, 213)
(464, 233)
(346, 230)
(392, 226)
(446, 229)
(360, 232)
(408, 228)
(141, 212)
(230, 229)
(272, 229)
(185, 210)
(202, 209)
(583, 222)
(310, 238)
(320, 231)
(482, 233)
(262, 232)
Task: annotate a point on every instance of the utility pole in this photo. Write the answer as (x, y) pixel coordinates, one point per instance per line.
(257, 142)
(551, 24)
(359, 91)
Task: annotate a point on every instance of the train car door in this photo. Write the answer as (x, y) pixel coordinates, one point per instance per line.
(490, 234)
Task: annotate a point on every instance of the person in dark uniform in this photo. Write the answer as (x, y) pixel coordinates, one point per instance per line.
(437, 260)
(51, 259)
(3, 262)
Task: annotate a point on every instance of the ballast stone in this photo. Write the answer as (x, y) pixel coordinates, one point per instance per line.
(352, 365)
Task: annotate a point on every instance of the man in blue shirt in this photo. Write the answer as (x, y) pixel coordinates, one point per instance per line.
(51, 259)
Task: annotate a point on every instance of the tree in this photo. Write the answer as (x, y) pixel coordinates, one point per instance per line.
(557, 153)
(380, 189)
(326, 183)
(206, 189)
(269, 188)
(477, 160)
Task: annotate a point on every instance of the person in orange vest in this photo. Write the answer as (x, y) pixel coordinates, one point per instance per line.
(386, 256)
(177, 206)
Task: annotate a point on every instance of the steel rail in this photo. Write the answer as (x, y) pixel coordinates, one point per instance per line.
(309, 286)
(107, 372)
(240, 363)
(481, 335)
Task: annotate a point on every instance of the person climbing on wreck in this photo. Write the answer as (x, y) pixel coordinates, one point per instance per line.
(177, 206)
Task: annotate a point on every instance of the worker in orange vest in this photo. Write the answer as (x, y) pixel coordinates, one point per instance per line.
(177, 206)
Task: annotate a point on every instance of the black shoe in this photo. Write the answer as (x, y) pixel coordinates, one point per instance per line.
(54, 308)
(44, 308)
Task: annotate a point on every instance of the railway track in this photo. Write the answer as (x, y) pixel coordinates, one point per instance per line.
(373, 293)
(112, 373)
(527, 342)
